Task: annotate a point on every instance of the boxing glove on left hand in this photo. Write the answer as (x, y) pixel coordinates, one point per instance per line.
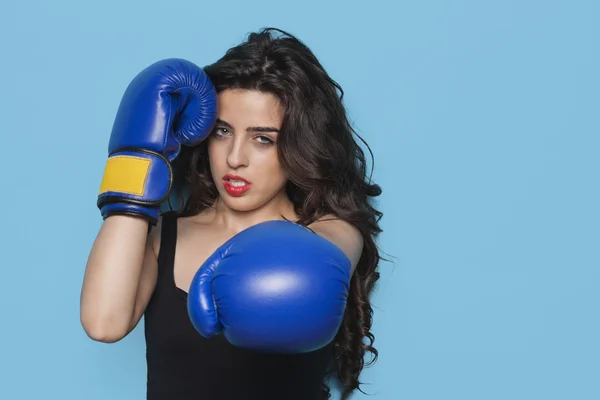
(170, 103)
(275, 287)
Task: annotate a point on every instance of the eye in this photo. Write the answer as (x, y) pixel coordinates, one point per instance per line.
(265, 140)
(221, 131)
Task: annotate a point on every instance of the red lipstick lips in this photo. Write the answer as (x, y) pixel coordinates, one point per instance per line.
(235, 185)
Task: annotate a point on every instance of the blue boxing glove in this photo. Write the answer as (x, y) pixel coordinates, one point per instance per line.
(275, 287)
(170, 103)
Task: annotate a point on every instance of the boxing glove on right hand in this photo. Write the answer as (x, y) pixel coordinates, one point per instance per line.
(169, 104)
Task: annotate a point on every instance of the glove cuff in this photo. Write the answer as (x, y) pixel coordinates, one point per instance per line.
(149, 213)
(135, 181)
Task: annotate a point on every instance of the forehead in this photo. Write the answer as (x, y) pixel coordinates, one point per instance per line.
(249, 107)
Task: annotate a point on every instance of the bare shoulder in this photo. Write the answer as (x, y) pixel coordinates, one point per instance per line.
(200, 228)
(341, 233)
(186, 225)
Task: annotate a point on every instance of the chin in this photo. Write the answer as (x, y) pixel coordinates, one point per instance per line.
(241, 203)
(248, 202)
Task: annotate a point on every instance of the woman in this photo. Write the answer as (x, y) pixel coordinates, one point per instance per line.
(281, 149)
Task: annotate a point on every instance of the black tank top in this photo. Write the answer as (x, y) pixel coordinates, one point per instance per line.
(183, 365)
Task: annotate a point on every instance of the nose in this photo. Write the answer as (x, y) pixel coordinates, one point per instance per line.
(237, 156)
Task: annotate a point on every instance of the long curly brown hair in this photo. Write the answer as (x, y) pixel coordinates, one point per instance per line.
(325, 164)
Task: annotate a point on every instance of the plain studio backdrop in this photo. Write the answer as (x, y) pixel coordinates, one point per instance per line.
(483, 117)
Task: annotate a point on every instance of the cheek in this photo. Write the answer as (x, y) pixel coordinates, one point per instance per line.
(272, 168)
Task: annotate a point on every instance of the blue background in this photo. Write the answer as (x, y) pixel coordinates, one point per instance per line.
(484, 120)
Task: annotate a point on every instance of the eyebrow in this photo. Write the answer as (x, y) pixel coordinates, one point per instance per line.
(261, 129)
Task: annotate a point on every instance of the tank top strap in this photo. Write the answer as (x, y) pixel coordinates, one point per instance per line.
(166, 253)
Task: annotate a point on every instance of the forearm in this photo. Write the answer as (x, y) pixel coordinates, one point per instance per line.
(112, 276)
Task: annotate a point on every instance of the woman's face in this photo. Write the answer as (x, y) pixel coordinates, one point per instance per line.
(242, 149)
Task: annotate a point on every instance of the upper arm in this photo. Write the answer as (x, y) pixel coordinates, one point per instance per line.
(343, 234)
(148, 276)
